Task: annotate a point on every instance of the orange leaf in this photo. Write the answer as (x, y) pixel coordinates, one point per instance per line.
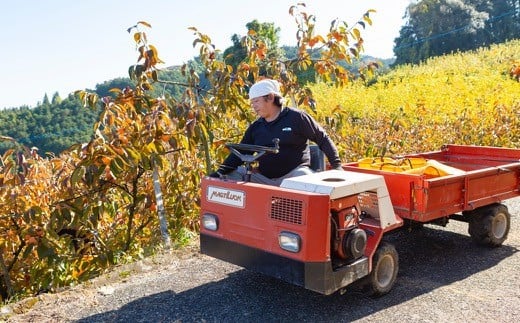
(106, 160)
(144, 23)
(314, 40)
(338, 36)
(260, 53)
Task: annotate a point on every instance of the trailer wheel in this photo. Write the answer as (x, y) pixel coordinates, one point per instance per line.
(385, 266)
(489, 225)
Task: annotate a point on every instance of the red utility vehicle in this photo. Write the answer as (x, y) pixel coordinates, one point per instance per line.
(325, 231)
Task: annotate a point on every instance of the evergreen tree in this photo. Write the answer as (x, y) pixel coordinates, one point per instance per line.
(56, 99)
(45, 100)
(437, 27)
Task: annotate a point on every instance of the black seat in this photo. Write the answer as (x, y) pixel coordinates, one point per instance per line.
(317, 158)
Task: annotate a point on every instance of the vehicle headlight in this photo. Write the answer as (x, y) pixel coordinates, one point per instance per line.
(289, 241)
(210, 222)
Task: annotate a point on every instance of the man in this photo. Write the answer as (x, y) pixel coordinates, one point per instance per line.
(292, 126)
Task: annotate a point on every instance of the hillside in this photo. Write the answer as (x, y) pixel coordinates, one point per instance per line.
(464, 98)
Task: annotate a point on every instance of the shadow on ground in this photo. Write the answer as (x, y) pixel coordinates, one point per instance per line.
(429, 259)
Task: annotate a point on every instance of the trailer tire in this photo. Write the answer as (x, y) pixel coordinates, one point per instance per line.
(490, 225)
(385, 265)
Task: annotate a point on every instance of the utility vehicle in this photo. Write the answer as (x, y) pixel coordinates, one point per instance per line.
(326, 230)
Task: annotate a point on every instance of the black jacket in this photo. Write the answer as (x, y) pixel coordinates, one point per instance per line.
(294, 128)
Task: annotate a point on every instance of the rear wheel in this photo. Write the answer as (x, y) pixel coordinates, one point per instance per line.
(489, 225)
(385, 266)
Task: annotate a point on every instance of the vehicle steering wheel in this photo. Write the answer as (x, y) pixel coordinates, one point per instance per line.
(257, 152)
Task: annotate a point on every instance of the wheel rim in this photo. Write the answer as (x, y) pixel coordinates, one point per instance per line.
(385, 271)
(499, 226)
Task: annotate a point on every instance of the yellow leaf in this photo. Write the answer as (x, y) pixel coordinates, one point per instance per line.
(356, 33)
(115, 90)
(134, 155)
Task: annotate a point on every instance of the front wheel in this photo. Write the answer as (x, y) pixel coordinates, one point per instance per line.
(385, 266)
(489, 225)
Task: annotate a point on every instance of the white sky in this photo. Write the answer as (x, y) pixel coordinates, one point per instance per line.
(65, 45)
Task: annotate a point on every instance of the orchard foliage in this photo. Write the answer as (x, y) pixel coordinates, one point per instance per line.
(67, 218)
(470, 98)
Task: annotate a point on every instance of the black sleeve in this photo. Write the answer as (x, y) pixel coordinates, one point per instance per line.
(317, 134)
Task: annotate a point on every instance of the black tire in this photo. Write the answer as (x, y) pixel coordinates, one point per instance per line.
(489, 225)
(385, 266)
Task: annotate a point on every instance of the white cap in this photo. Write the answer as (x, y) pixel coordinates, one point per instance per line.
(264, 87)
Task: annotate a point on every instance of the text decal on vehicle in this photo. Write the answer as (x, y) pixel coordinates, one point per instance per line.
(226, 196)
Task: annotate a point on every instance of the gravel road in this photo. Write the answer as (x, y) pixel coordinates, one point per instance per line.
(443, 277)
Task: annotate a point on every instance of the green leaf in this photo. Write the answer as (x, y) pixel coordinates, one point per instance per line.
(77, 175)
(131, 72)
(45, 251)
(116, 166)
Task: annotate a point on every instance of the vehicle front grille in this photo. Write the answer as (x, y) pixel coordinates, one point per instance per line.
(287, 210)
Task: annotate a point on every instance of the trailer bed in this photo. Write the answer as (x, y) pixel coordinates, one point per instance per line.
(487, 175)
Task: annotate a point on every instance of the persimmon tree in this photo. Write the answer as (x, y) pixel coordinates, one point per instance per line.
(34, 253)
(69, 217)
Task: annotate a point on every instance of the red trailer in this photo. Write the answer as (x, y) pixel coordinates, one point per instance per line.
(325, 231)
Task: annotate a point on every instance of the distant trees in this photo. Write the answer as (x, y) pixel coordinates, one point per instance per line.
(437, 27)
(55, 125)
(266, 33)
(504, 21)
(51, 127)
(103, 89)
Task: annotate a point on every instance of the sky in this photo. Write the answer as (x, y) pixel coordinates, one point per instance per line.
(61, 46)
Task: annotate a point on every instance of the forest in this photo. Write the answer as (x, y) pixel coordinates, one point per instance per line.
(117, 170)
